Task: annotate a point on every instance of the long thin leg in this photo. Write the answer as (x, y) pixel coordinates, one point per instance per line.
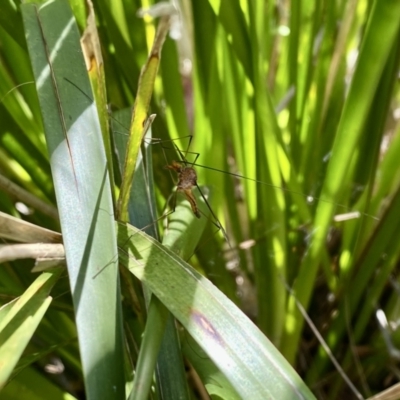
(216, 220)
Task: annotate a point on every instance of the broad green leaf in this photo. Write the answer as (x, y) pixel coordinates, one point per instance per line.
(245, 356)
(83, 191)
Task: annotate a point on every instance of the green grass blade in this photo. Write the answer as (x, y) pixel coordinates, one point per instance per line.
(31, 384)
(19, 320)
(184, 232)
(83, 192)
(139, 116)
(384, 20)
(211, 319)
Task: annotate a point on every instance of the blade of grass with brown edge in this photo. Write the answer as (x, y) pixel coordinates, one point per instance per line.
(139, 116)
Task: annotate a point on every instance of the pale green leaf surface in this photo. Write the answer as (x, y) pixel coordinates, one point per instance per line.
(245, 356)
(215, 382)
(83, 192)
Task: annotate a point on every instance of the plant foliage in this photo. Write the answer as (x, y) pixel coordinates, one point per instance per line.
(293, 109)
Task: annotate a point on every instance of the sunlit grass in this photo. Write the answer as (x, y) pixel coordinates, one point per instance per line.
(300, 97)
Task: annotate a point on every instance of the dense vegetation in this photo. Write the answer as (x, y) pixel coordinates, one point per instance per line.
(293, 108)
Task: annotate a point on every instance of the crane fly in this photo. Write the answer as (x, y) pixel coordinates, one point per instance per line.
(187, 180)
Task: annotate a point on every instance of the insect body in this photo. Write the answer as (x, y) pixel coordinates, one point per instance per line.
(187, 180)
